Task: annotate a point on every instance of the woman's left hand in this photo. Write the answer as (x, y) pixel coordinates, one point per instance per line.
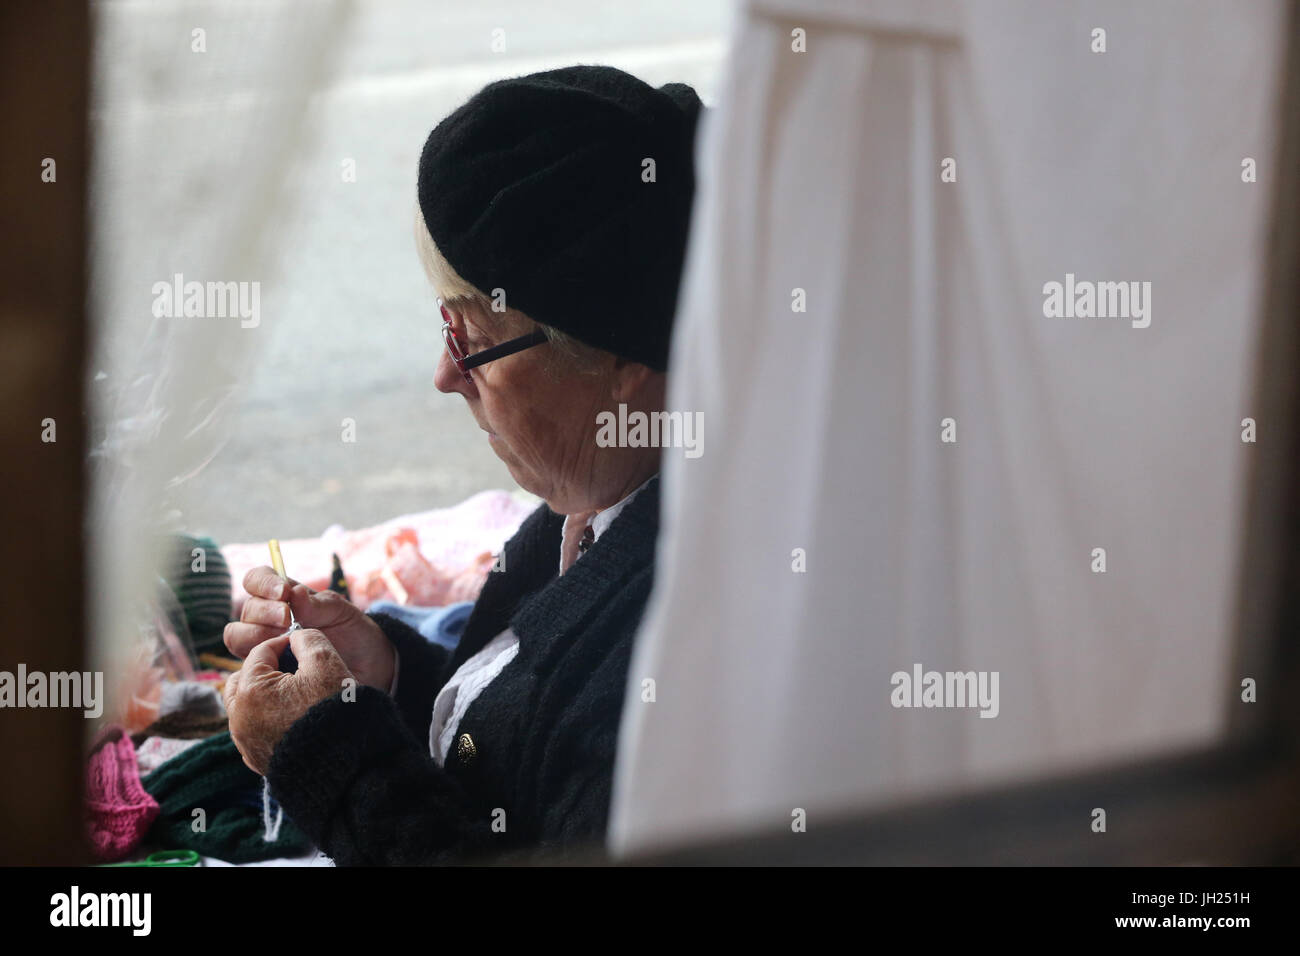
(263, 702)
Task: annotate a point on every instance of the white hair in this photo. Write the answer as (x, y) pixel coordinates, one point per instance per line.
(446, 282)
(451, 288)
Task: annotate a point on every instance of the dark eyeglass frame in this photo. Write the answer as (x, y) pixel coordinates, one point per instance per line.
(465, 362)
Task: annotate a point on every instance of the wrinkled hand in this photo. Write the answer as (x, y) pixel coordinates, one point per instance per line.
(362, 645)
(263, 702)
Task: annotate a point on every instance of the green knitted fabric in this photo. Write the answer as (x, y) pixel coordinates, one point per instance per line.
(204, 595)
(212, 776)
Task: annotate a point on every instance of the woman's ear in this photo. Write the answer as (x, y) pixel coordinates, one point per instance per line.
(630, 379)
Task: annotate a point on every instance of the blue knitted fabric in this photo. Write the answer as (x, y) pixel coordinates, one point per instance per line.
(439, 625)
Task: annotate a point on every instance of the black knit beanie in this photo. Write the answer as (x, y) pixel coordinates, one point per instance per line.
(536, 186)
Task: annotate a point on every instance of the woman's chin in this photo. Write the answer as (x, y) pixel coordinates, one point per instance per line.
(526, 480)
(502, 451)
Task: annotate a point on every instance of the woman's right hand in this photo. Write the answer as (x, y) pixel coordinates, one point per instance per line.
(358, 639)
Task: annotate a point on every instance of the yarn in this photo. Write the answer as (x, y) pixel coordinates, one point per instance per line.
(204, 595)
(183, 726)
(439, 625)
(236, 826)
(119, 812)
(272, 832)
(191, 697)
(153, 752)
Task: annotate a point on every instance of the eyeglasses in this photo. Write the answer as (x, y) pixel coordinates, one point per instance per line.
(465, 362)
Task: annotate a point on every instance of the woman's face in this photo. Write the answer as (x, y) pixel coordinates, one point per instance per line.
(542, 425)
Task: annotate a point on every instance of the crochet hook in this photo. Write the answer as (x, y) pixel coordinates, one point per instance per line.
(288, 663)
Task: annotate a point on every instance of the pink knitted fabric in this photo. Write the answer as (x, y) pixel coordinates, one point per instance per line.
(118, 809)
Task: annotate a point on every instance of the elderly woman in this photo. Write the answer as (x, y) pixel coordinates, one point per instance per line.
(553, 219)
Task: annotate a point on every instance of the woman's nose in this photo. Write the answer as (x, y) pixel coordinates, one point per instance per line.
(447, 377)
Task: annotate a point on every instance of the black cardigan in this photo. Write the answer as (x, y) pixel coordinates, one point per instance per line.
(535, 775)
